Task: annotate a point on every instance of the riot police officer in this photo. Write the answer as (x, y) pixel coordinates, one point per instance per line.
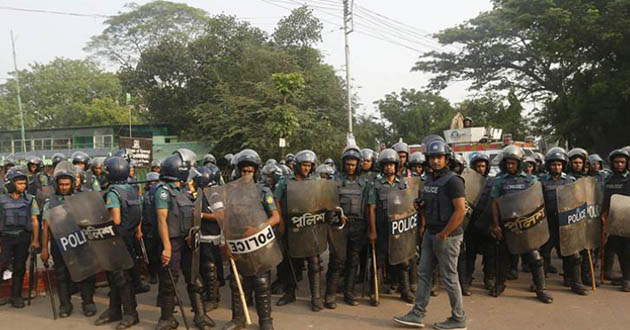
(389, 163)
(149, 227)
(353, 196)
(174, 210)
(36, 177)
(290, 161)
(19, 231)
(325, 172)
(596, 168)
(555, 161)
(65, 184)
(530, 165)
(96, 166)
(208, 159)
(403, 153)
(125, 211)
(618, 183)
(81, 159)
(367, 161)
(513, 179)
(416, 163)
(443, 214)
(210, 262)
(247, 164)
(155, 166)
(578, 158)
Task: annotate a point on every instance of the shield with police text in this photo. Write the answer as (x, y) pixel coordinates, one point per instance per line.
(308, 204)
(108, 247)
(594, 193)
(72, 243)
(572, 216)
(524, 220)
(474, 184)
(244, 225)
(619, 216)
(402, 225)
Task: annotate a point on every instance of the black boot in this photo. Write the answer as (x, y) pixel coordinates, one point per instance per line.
(405, 286)
(332, 283)
(314, 281)
(575, 277)
(350, 279)
(262, 296)
(538, 274)
(16, 292)
(212, 287)
(201, 320)
(63, 291)
(238, 316)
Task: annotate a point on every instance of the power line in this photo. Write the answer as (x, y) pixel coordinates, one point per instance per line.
(55, 12)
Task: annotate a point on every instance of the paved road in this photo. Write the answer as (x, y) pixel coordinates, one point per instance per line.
(517, 308)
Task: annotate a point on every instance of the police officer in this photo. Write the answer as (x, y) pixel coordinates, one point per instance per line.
(331, 163)
(65, 183)
(209, 159)
(597, 169)
(247, 164)
(96, 166)
(578, 158)
(353, 195)
(155, 166)
(530, 165)
(457, 163)
(305, 160)
(149, 227)
(618, 183)
(403, 153)
(416, 163)
(125, 211)
(444, 210)
(512, 180)
(325, 172)
(19, 231)
(36, 177)
(367, 161)
(290, 161)
(555, 161)
(81, 159)
(389, 163)
(210, 262)
(174, 210)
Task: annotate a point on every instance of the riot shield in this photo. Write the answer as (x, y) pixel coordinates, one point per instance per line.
(194, 234)
(524, 220)
(594, 194)
(572, 215)
(474, 184)
(415, 184)
(243, 222)
(402, 225)
(307, 203)
(72, 244)
(43, 194)
(619, 216)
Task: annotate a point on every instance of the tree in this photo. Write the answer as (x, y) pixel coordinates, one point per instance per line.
(414, 114)
(300, 29)
(493, 110)
(64, 93)
(130, 33)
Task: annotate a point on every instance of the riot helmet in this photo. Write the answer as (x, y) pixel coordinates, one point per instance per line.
(174, 169)
(116, 170)
(368, 156)
(207, 176)
(272, 173)
(480, 157)
(438, 147)
(417, 158)
(289, 158)
(401, 147)
(511, 152)
(556, 154)
(271, 161)
(36, 161)
(596, 159)
(64, 169)
(209, 159)
(57, 158)
(80, 157)
(153, 176)
(617, 153)
(188, 156)
(14, 174)
(305, 156)
(325, 172)
(388, 156)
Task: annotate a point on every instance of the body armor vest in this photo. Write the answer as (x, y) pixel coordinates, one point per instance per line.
(16, 213)
(180, 215)
(438, 207)
(130, 209)
(351, 197)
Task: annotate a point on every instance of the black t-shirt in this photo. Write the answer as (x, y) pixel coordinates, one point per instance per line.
(455, 187)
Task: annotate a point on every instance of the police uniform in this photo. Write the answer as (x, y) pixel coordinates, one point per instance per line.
(476, 237)
(150, 233)
(64, 282)
(211, 264)
(378, 196)
(37, 181)
(15, 237)
(619, 183)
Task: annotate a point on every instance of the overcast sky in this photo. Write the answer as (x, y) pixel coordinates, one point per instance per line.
(378, 67)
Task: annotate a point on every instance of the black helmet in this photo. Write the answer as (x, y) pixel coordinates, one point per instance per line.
(511, 152)
(595, 158)
(530, 159)
(35, 161)
(116, 169)
(351, 152)
(305, 156)
(556, 154)
(417, 158)
(272, 170)
(247, 157)
(430, 138)
(174, 169)
(209, 159)
(80, 157)
(401, 147)
(617, 153)
(578, 152)
(438, 147)
(329, 161)
(57, 158)
(325, 169)
(121, 153)
(80, 173)
(367, 154)
(207, 176)
(97, 161)
(285, 169)
(459, 159)
(480, 157)
(540, 158)
(188, 157)
(467, 118)
(388, 156)
(289, 158)
(64, 169)
(13, 174)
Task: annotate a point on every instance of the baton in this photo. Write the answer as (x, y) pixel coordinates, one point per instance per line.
(32, 278)
(181, 302)
(143, 248)
(497, 265)
(50, 292)
(590, 263)
(241, 294)
(375, 273)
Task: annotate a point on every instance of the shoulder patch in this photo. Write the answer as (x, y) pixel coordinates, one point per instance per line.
(163, 195)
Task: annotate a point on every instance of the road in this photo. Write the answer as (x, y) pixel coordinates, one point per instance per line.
(607, 308)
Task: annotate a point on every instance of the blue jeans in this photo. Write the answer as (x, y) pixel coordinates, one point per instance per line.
(446, 252)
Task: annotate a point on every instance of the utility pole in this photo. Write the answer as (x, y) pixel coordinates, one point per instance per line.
(19, 98)
(348, 27)
(128, 103)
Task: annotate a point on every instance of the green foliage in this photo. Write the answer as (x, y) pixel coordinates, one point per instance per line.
(300, 29)
(63, 93)
(497, 111)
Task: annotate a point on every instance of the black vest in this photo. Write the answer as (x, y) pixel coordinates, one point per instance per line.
(616, 184)
(180, 215)
(382, 192)
(549, 191)
(351, 197)
(149, 218)
(438, 207)
(484, 199)
(16, 213)
(514, 183)
(130, 209)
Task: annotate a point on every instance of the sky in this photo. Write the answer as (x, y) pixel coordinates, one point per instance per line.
(377, 66)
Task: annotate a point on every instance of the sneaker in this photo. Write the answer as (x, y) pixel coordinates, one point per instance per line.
(410, 320)
(450, 324)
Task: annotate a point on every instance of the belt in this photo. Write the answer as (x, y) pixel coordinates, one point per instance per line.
(214, 239)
